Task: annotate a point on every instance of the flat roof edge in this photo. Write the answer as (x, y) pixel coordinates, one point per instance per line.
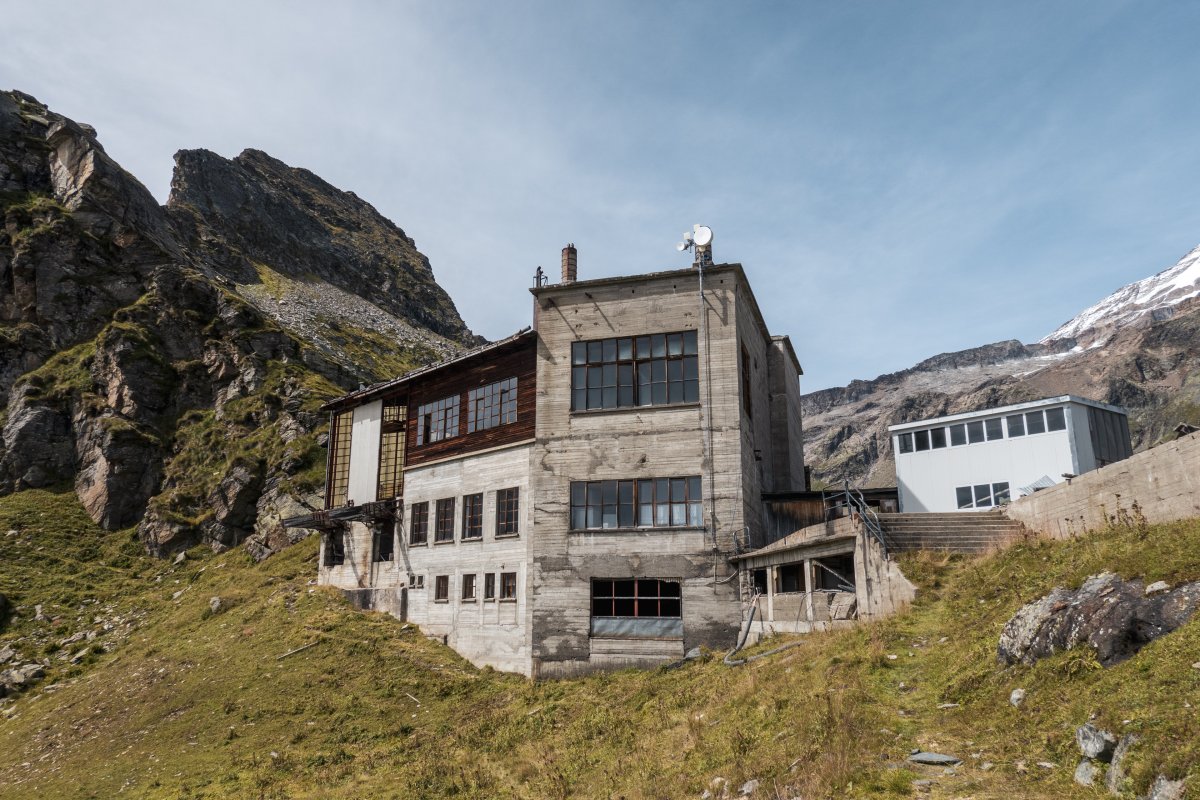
(986, 412)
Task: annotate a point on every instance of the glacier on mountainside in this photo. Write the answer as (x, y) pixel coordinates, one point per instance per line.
(1168, 288)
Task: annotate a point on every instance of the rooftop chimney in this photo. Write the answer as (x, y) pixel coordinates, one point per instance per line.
(570, 264)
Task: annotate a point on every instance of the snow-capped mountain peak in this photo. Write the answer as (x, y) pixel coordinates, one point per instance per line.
(1166, 289)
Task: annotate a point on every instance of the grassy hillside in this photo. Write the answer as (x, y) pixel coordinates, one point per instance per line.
(177, 701)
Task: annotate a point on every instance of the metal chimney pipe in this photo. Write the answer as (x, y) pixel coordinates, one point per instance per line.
(570, 264)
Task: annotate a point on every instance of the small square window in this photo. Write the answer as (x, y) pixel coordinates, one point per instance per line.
(937, 438)
(906, 442)
(922, 439)
(975, 432)
(963, 495)
(1035, 422)
(995, 429)
(983, 496)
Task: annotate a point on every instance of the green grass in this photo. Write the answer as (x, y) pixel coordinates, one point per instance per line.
(195, 704)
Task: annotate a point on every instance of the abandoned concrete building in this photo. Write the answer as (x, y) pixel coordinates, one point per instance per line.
(574, 496)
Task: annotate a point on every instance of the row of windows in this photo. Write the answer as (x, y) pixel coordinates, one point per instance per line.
(469, 587)
(487, 407)
(640, 597)
(985, 430)
(508, 522)
(644, 503)
(983, 495)
(635, 371)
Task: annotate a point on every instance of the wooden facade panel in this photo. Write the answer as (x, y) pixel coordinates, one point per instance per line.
(519, 361)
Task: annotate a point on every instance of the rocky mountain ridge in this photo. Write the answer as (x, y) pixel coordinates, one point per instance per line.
(168, 361)
(1138, 348)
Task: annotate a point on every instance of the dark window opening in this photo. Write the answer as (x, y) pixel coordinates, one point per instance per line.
(443, 530)
(437, 420)
(964, 497)
(472, 516)
(922, 439)
(1016, 425)
(1000, 493)
(468, 587)
(384, 544)
(508, 586)
(508, 512)
(338, 484)
(645, 503)
(995, 428)
(418, 525)
(983, 496)
(1035, 422)
(335, 549)
(441, 588)
(975, 432)
(958, 434)
(635, 371)
(789, 578)
(747, 398)
(906, 442)
(492, 405)
(759, 576)
(834, 573)
(391, 450)
(489, 586)
(417, 582)
(1056, 419)
(937, 438)
(636, 597)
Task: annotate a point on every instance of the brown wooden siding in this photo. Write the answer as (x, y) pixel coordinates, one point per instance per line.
(520, 361)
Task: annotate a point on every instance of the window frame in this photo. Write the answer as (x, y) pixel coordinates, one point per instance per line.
(489, 587)
(492, 405)
(337, 486)
(383, 544)
(472, 517)
(438, 420)
(418, 519)
(392, 435)
(441, 589)
(508, 587)
(468, 592)
(444, 523)
(626, 503)
(658, 369)
(508, 512)
(619, 598)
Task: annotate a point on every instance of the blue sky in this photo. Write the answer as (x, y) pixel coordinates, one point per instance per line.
(898, 179)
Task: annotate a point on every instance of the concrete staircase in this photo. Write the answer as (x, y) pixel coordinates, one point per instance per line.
(963, 532)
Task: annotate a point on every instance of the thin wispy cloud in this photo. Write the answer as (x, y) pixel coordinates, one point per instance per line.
(898, 179)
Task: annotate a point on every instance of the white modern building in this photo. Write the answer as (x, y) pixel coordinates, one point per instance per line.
(979, 460)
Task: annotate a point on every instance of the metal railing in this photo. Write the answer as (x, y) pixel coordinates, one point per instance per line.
(853, 500)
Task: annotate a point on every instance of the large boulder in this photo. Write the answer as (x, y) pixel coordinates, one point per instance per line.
(1107, 613)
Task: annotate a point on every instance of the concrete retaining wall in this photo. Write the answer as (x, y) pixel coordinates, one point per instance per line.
(1161, 485)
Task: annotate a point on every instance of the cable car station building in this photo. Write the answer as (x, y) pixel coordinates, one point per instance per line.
(570, 498)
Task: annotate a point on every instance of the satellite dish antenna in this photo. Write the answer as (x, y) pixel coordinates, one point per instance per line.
(681, 246)
(704, 235)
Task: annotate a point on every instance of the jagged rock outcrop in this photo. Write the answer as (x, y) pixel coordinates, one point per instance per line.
(1112, 616)
(139, 360)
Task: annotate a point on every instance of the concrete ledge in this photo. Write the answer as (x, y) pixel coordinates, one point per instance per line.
(1157, 485)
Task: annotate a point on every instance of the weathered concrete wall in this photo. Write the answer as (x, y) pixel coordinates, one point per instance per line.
(1163, 483)
(635, 443)
(787, 429)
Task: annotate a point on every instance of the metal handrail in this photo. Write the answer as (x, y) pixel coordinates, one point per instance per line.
(857, 503)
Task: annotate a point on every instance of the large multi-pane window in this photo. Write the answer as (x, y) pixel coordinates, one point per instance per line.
(492, 405)
(443, 530)
(418, 523)
(339, 459)
(437, 420)
(635, 371)
(472, 516)
(641, 597)
(983, 495)
(645, 503)
(391, 450)
(508, 512)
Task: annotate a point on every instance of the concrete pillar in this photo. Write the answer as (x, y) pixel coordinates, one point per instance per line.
(808, 590)
(770, 594)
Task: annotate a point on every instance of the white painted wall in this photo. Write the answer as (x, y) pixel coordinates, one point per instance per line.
(927, 479)
(491, 633)
(364, 453)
